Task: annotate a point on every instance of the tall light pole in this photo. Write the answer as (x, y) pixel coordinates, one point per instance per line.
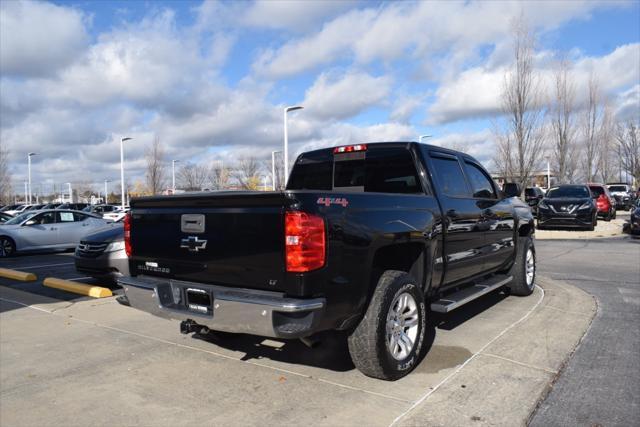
(173, 175)
(122, 140)
(70, 193)
(423, 136)
(548, 173)
(29, 162)
(273, 169)
(26, 192)
(106, 191)
(286, 141)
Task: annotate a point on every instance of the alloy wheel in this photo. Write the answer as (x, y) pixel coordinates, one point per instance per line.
(402, 326)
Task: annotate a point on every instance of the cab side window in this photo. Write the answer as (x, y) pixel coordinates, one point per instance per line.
(480, 182)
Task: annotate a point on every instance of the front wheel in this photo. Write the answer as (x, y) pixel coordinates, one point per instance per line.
(388, 341)
(7, 247)
(524, 268)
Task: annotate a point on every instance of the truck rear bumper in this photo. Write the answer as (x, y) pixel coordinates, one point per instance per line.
(263, 313)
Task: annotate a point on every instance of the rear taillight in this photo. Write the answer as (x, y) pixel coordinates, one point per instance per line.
(304, 241)
(127, 234)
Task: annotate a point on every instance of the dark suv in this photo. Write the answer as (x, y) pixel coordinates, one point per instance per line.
(568, 206)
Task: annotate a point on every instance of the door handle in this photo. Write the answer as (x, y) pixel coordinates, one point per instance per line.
(52, 228)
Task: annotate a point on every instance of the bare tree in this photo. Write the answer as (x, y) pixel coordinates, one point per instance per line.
(219, 176)
(279, 170)
(193, 176)
(590, 123)
(563, 125)
(628, 138)
(155, 175)
(5, 178)
(247, 173)
(520, 139)
(606, 135)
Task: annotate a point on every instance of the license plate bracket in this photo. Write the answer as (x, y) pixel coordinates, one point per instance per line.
(199, 301)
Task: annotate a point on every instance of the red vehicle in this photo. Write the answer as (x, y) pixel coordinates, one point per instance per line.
(605, 202)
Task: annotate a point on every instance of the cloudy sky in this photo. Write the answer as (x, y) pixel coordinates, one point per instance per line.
(211, 79)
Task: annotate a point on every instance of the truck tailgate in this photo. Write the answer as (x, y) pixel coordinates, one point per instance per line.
(230, 238)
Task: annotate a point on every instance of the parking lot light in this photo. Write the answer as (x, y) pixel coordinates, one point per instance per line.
(273, 169)
(122, 140)
(29, 167)
(286, 141)
(70, 193)
(106, 192)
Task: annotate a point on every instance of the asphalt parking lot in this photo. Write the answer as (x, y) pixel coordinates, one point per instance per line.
(93, 361)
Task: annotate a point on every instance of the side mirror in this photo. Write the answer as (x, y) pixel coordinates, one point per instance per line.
(511, 189)
(29, 222)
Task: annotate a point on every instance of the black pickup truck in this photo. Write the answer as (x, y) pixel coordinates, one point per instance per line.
(365, 239)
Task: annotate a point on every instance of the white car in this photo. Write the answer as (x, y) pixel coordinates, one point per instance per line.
(46, 229)
(116, 215)
(18, 210)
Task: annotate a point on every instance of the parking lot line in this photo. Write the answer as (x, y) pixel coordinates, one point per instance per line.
(213, 353)
(46, 265)
(17, 275)
(466, 362)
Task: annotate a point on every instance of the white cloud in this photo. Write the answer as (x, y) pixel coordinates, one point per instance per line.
(300, 55)
(628, 104)
(404, 107)
(418, 30)
(37, 38)
(292, 14)
(346, 96)
(477, 144)
(476, 92)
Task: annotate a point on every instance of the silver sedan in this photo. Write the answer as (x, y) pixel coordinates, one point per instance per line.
(46, 229)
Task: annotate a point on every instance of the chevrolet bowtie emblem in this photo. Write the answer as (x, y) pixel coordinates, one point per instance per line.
(193, 244)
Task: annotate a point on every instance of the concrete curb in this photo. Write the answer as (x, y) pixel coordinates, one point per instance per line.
(504, 382)
(77, 288)
(17, 275)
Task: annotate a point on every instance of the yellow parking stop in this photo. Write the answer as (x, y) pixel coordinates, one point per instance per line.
(77, 288)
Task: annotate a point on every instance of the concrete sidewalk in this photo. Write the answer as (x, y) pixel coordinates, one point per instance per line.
(96, 362)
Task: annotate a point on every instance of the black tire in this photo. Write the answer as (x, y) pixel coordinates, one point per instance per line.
(608, 216)
(370, 342)
(7, 247)
(614, 214)
(521, 285)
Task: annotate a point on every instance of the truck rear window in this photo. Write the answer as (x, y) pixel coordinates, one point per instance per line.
(381, 170)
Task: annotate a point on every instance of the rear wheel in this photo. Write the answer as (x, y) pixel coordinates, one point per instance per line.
(524, 268)
(7, 247)
(388, 341)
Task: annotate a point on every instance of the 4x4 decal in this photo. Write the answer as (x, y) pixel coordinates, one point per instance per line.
(328, 201)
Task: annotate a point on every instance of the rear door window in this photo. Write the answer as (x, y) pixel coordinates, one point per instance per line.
(450, 177)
